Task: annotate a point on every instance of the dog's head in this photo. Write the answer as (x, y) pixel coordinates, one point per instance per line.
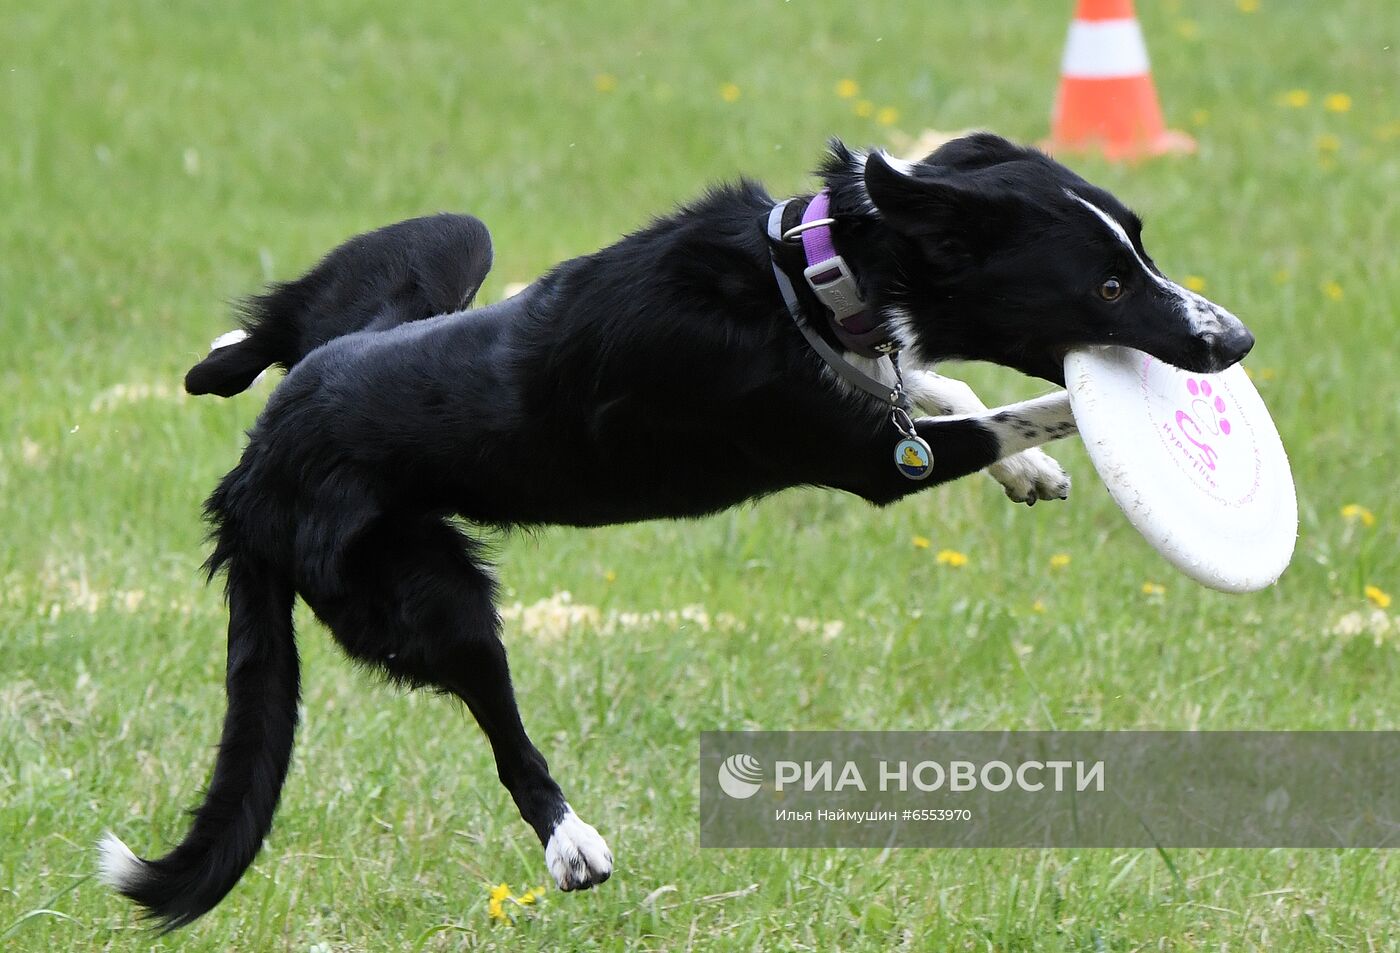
(991, 251)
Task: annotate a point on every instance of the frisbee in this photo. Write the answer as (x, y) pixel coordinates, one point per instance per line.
(1193, 461)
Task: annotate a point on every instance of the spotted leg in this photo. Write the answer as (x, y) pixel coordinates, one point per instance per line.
(1027, 476)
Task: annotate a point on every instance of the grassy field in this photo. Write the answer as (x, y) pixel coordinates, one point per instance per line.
(158, 160)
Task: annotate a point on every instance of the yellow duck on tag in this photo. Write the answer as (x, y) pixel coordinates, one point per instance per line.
(914, 458)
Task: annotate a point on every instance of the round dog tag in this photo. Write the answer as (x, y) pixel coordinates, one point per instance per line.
(913, 457)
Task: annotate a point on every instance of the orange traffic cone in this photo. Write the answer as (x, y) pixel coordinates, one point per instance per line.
(1107, 102)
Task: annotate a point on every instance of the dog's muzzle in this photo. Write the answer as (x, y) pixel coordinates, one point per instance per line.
(1221, 340)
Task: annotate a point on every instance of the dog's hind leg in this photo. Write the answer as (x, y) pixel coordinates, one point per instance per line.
(416, 602)
(403, 272)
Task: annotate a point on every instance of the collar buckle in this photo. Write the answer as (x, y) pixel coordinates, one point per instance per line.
(888, 348)
(834, 285)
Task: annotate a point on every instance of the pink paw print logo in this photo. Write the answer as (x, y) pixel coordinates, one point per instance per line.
(1208, 408)
(1204, 421)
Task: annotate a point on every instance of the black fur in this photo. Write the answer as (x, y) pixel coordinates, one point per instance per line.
(404, 272)
(659, 377)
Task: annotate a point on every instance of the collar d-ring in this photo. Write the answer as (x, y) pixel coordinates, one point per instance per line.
(801, 227)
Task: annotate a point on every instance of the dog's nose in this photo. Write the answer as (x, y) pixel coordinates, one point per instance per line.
(1237, 343)
(1226, 345)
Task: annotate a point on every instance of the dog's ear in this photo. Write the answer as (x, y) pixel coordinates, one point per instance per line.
(980, 150)
(946, 216)
(916, 205)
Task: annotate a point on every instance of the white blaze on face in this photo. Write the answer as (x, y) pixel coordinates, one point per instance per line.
(1204, 316)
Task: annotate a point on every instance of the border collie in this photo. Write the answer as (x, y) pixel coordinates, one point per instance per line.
(700, 362)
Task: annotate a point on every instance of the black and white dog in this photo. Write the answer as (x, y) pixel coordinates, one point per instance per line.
(664, 376)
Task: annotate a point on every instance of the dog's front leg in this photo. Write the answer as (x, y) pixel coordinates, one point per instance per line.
(1027, 476)
(1027, 424)
(962, 444)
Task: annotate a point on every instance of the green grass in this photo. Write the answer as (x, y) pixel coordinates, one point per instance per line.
(158, 160)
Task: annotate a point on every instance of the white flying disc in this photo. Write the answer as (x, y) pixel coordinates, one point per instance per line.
(1193, 460)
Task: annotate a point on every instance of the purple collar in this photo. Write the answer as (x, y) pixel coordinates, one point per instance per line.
(892, 395)
(855, 323)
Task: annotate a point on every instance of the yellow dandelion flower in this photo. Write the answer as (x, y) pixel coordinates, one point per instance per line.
(847, 89)
(500, 894)
(1327, 142)
(1153, 589)
(495, 904)
(1200, 117)
(1188, 29)
(864, 108)
(1337, 103)
(1356, 513)
(1268, 374)
(887, 116)
(1247, 6)
(610, 576)
(1038, 606)
(951, 557)
(1296, 98)
(1283, 276)
(605, 82)
(1059, 561)
(1333, 291)
(730, 92)
(1196, 283)
(1379, 598)
(920, 542)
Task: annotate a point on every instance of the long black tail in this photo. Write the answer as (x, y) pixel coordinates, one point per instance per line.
(403, 272)
(254, 754)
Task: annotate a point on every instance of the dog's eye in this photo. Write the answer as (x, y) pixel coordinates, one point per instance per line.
(1111, 290)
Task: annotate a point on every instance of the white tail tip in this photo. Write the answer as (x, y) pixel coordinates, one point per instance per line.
(117, 866)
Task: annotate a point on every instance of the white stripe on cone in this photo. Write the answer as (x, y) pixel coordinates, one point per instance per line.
(1104, 49)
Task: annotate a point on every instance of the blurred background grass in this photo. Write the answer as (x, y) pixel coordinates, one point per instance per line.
(161, 160)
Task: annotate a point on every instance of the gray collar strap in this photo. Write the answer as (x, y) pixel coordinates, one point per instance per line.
(892, 395)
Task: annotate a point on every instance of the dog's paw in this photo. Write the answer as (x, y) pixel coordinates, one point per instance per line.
(1031, 475)
(228, 339)
(577, 855)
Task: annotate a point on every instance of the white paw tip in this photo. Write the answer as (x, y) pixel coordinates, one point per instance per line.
(224, 340)
(117, 866)
(1032, 475)
(577, 855)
